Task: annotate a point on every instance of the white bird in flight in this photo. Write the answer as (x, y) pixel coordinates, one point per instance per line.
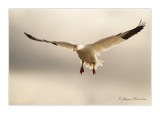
(88, 52)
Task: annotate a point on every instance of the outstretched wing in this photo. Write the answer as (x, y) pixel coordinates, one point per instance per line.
(112, 41)
(67, 45)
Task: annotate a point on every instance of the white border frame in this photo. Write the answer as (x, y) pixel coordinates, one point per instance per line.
(4, 56)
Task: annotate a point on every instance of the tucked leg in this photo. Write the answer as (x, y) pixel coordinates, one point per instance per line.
(82, 69)
(94, 71)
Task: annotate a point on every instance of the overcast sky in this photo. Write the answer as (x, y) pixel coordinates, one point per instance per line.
(125, 72)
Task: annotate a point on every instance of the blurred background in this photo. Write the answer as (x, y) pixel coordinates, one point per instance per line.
(43, 74)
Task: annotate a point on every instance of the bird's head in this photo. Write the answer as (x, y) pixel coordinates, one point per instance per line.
(78, 47)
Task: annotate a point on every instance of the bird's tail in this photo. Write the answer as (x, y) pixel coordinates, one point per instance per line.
(90, 66)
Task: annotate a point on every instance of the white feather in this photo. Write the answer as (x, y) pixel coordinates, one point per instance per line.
(67, 45)
(106, 43)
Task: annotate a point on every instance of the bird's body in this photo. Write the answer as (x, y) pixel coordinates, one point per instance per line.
(89, 56)
(88, 52)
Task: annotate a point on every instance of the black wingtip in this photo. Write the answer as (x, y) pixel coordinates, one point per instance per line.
(134, 31)
(25, 33)
(28, 35)
(33, 38)
(142, 24)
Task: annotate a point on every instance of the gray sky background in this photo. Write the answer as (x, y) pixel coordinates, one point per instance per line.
(42, 73)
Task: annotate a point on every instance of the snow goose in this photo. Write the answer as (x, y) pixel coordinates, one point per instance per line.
(88, 52)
